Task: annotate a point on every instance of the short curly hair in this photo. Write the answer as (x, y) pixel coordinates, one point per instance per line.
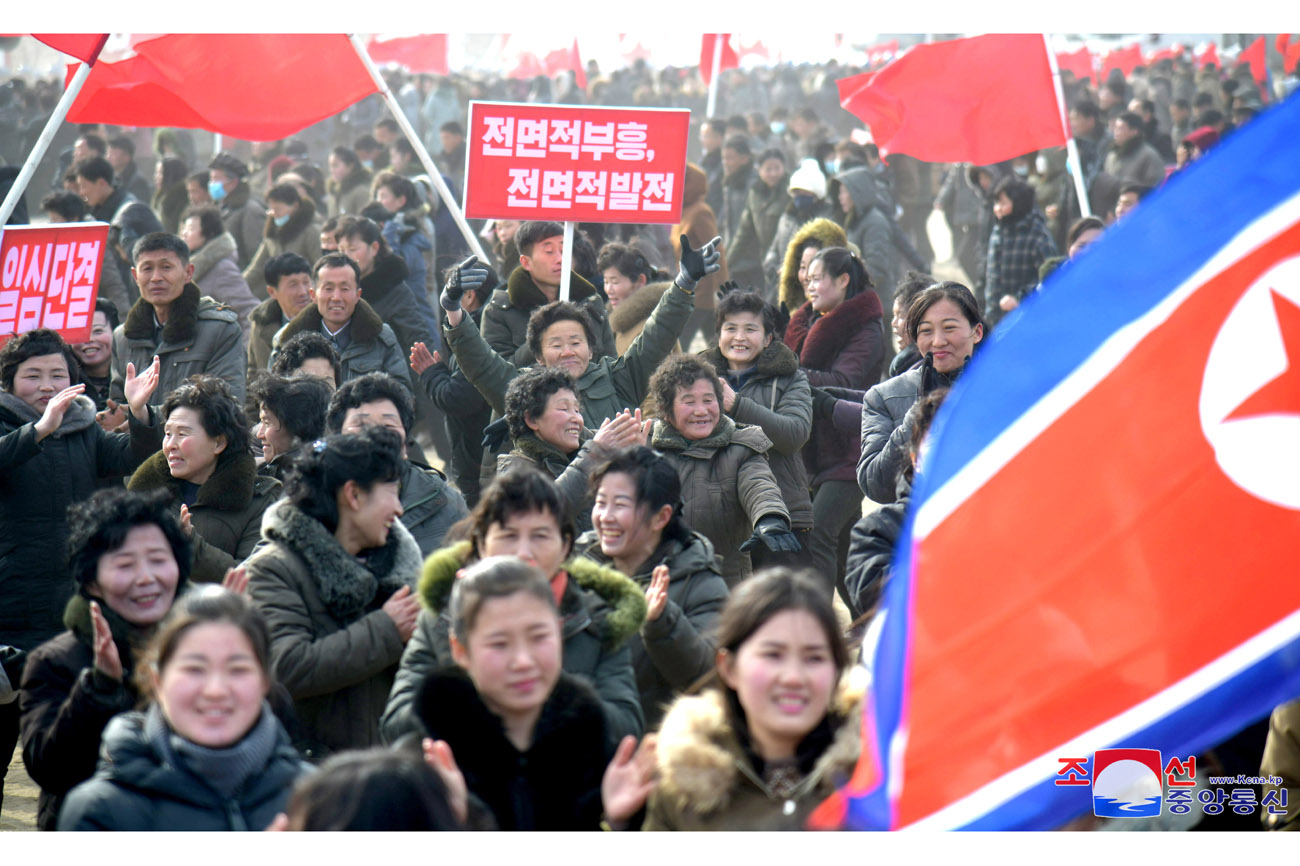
(557, 311)
(219, 412)
(298, 403)
(302, 347)
(369, 389)
(679, 372)
(529, 393)
(99, 525)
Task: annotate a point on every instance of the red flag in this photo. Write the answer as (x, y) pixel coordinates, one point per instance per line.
(1172, 52)
(426, 53)
(882, 53)
(726, 60)
(1292, 60)
(1123, 59)
(981, 100)
(1254, 55)
(256, 87)
(1079, 62)
(566, 58)
(1280, 42)
(1209, 55)
(83, 46)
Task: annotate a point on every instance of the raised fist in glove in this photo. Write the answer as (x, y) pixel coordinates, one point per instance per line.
(775, 532)
(468, 276)
(698, 264)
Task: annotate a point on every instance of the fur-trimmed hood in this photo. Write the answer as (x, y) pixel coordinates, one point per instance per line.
(625, 600)
(366, 324)
(525, 295)
(348, 585)
(299, 221)
(702, 764)
(636, 307)
(829, 233)
(206, 257)
(777, 359)
(229, 488)
(182, 318)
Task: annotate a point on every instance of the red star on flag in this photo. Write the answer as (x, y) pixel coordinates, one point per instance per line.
(1280, 396)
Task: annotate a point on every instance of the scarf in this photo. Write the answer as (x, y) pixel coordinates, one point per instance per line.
(224, 770)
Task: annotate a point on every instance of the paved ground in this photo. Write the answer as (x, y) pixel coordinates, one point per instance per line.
(19, 810)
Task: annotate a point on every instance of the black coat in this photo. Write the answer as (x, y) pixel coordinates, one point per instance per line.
(385, 288)
(555, 784)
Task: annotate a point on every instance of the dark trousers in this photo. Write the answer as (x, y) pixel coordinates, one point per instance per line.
(8, 741)
(837, 505)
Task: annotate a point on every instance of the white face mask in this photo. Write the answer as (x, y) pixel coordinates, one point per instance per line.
(1041, 164)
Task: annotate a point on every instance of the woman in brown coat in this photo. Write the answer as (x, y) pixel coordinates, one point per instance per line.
(700, 226)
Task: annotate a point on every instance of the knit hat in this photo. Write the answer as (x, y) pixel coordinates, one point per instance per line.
(230, 164)
(809, 177)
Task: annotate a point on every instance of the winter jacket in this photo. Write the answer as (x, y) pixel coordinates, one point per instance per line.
(711, 779)
(1135, 161)
(735, 193)
(332, 645)
(727, 486)
(868, 227)
(38, 481)
(672, 652)
(227, 515)
(599, 611)
(755, 231)
(555, 783)
(790, 293)
(409, 234)
(1017, 248)
(387, 291)
(373, 347)
(843, 348)
(570, 472)
(628, 319)
(301, 235)
(244, 216)
(66, 704)
(775, 396)
(466, 414)
(609, 385)
(505, 321)
(1282, 759)
(351, 195)
(169, 203)
(129, 219)
(142, 785)
(217, 276)
(429, 506)
(265, 319)
(887, 429)
(200, 336)
(700, 226)
(871, 550)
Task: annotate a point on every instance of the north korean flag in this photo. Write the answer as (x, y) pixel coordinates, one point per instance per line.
(1101, 551)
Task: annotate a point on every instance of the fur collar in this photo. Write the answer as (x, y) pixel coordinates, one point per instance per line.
(666, 438)
(236, 199)
(387, 276)
(636, 307)
(525, 295)
(701, 762)
(829, 233)
(299, 221)
(366, 324)
(819, 340)
(182, 319)
(775, 360)
(267, 313)
(206, 257)
(80, 415)
(229, 488)
(625, 599)
(348, 586)
(538, 450)
(358, 176)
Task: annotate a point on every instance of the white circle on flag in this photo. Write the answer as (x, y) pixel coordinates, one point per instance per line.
(1258, 453)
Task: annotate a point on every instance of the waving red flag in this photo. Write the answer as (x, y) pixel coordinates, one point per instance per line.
(252, 86)
(1254, 55)
(1170, 53)
(1292, 60)
(83, 46)
(728, 59)
(426, 53)
(1079, 62)
(566, 58)
(1123, 59)
(1280, 42)
(981, 100)
(1209, 55)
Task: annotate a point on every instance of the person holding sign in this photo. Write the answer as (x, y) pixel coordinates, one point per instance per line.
(561, 335)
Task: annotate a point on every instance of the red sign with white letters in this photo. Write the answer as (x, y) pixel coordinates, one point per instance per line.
(49, 278)
(575, 163)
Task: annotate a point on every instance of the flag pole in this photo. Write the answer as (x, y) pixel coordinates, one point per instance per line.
(1071, 147)
(566, 261)
(43, 142)
(713, 80)
(427, 161)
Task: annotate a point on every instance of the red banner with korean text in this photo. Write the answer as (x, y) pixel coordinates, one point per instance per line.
(49, 277)
(571, 163)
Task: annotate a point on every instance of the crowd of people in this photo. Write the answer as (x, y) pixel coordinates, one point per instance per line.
(333, 525)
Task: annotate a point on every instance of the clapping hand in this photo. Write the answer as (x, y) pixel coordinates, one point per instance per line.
(656, 594)
(107, 660)
(629, 779)
(139, 388)
(58, 406)
(422, 359)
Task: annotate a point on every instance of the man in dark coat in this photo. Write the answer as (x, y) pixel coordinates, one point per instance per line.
(737, 177)
(383, 281)
(129, 219)
(242, 213)
(289, 285)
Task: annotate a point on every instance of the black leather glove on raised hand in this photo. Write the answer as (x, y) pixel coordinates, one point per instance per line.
(494, 434)
(468, 276)
(698, 264)
(775, 533)
(823, 404)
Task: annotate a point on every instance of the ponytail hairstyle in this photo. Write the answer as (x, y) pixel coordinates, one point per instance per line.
(655, 480)
(372, 456)
(838, 261)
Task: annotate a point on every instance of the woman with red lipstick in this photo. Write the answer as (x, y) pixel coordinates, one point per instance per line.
(334, 581)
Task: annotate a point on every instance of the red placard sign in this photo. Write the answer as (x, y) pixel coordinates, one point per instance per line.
(49, 278)
(579, 164)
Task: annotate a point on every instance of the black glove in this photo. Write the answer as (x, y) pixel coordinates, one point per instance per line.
(494, 434)
(775, 532)
(823, 404)
(468, 276)
(698, 264)
(727, 288)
